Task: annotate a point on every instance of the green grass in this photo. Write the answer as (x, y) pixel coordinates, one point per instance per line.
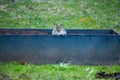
(79, 14)
(16, 71)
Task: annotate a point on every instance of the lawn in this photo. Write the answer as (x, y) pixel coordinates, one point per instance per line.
(17, 71)
(79, 14)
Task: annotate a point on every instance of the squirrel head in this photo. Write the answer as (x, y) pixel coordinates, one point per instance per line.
(58, 27)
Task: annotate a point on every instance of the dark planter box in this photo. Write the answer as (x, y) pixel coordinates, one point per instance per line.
(82, 47)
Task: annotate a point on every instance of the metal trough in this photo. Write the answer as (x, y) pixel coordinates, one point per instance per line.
(81, 47)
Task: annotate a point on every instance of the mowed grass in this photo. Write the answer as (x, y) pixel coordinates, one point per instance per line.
(16, 71)
(79, 14)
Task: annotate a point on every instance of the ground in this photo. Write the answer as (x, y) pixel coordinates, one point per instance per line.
(79, 14)
(18, 71)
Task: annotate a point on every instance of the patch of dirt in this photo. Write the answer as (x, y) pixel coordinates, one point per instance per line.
(101, 74)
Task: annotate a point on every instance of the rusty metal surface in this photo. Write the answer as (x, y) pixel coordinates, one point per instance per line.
(87, 48)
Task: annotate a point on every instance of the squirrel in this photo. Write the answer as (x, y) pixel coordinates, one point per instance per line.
(59, 30)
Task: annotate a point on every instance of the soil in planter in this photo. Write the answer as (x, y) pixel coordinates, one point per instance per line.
(22, 32)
